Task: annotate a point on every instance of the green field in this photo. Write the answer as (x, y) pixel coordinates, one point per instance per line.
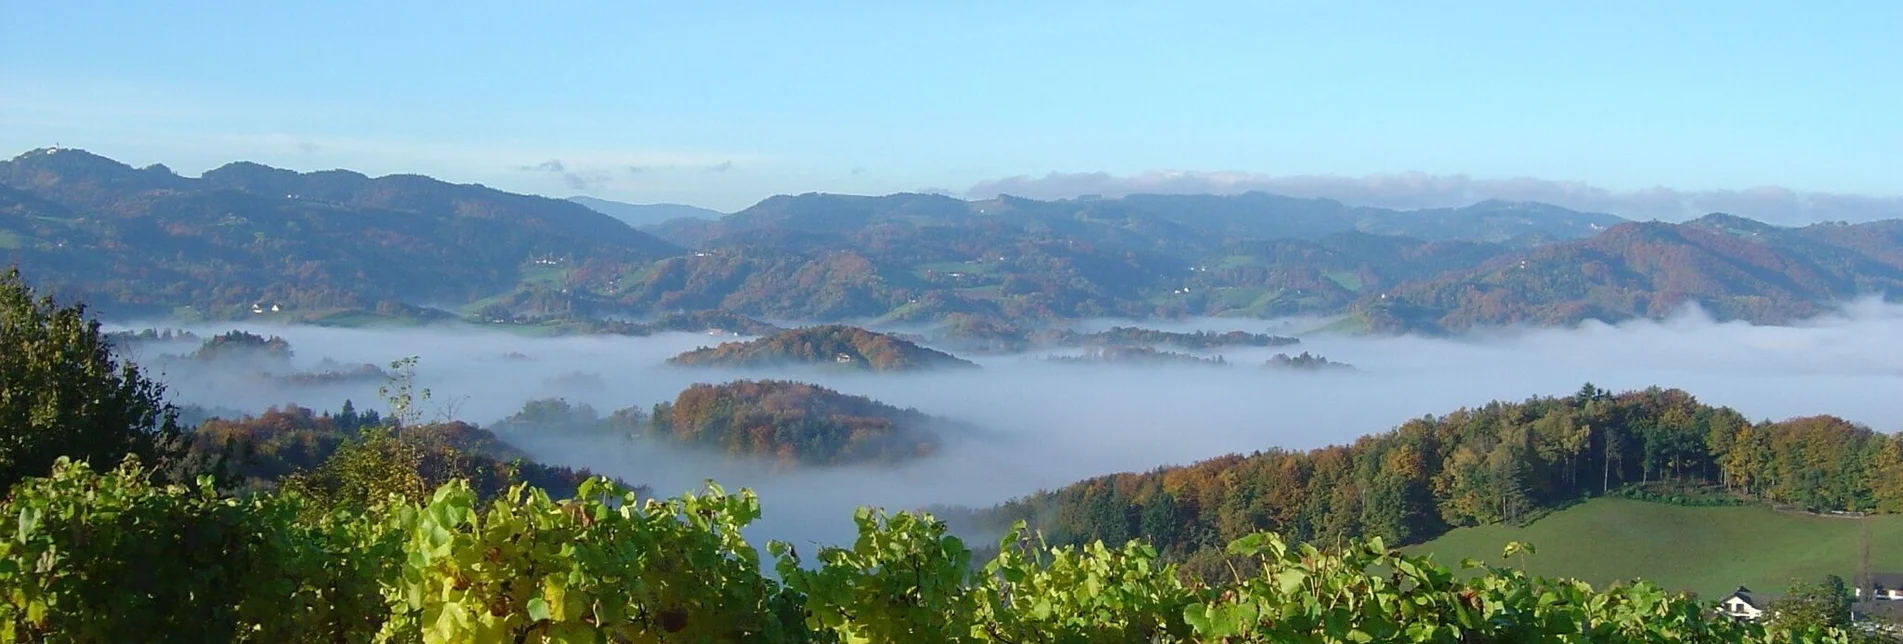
(541, 275)
(1346, 279)
(1710, 551)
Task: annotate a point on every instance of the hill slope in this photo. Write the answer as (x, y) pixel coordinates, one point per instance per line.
(1707, 550)
(142, 241)
(833, 345)
(1734, 268)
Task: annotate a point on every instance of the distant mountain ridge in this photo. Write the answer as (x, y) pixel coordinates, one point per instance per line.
(1734, 268)
(639, 215)
(247, 239)
(142, 241)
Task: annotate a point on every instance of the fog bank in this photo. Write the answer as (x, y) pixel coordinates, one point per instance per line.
(1043, 425)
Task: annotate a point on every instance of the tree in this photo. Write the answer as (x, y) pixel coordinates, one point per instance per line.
(363, 473)
(1823, 604)
(400, 392)
(63, 393)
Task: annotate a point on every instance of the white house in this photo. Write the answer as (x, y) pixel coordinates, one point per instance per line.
(1741, 605)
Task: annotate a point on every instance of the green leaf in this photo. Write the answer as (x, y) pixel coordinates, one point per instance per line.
(29, 521)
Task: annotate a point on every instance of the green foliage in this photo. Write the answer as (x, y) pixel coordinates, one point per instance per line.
(1812, 604)
(112, 557)
(363, 473)
(88, 556)
(399, 390)
(604, 565)
(1680, 495)
(64, 394)
(1090, 593)
(903, 580)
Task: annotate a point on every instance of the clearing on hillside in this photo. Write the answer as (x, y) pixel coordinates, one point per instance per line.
(1707, 550)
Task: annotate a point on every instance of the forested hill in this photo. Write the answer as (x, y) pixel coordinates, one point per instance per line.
(1734, 268)
(143, 241)
(831, 345)
(149, 242)
(1500, 462)
(794, 423)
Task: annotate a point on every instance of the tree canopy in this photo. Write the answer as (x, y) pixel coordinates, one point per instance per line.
(64, 393)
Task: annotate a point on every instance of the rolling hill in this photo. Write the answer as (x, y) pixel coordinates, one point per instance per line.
(341, 247)
(145, 241)
(830, 345)
(1707, 550)
(794, 423)
(1734, 268)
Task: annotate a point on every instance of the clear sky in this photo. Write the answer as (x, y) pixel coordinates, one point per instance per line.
(723, 103)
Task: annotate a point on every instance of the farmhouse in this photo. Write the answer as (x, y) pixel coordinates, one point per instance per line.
(1740, 604)
(1885, 586)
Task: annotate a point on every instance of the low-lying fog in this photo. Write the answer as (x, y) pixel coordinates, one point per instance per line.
(1045, 425)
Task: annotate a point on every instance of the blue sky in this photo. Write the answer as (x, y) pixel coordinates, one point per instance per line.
(721, 104)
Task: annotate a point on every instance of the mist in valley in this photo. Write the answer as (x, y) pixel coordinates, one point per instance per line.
(1037, 425)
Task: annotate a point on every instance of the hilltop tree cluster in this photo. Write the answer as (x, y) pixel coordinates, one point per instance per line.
(840, 345)
(794, 423)
(1504, 462)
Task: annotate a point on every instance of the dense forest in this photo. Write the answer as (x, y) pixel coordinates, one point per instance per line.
(794, 423)
(1500, 462)
(833, 345)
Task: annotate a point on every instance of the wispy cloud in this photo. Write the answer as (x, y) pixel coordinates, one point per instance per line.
(724, 166)
(584, 180)
(1419, 190)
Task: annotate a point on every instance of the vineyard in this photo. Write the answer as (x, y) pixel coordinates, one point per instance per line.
(90, 556)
